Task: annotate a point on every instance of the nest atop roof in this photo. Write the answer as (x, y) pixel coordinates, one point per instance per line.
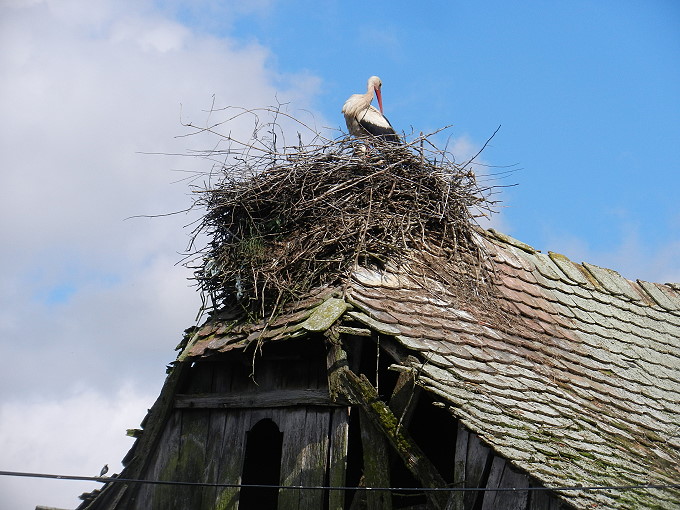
(280, 224)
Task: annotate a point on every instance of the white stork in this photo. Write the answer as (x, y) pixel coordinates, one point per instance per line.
(364, 119)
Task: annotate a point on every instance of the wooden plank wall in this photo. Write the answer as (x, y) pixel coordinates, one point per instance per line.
(208, 444)
(202, 445)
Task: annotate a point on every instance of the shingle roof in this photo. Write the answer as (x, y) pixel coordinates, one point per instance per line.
(582, 387)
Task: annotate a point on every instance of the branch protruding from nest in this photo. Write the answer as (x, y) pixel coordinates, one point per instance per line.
(283, 221)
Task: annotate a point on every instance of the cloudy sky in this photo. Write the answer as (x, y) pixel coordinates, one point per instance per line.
(92, 301)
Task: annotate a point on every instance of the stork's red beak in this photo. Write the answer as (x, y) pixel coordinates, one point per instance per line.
(378, 94)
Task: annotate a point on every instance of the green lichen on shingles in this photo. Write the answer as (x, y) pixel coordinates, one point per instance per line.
(325, 315)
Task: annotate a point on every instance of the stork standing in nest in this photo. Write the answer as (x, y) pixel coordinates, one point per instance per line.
(363, 119)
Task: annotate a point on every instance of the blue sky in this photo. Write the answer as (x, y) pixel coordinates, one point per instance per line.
(92, 304)
(586, 94)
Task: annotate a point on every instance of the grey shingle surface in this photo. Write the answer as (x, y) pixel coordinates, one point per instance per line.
(583, 389)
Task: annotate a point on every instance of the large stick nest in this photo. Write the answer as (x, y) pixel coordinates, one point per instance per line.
(280, 224)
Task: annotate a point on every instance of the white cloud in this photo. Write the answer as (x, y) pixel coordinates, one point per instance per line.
(75, 435)
(89, 299)
(629, 256)
(162, 36)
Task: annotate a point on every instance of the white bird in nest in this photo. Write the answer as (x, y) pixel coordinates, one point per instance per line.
(363, 119)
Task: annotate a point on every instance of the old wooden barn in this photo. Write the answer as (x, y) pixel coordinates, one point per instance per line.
(369, 347)
(389, 382)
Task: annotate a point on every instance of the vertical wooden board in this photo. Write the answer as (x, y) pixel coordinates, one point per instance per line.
(512, 500)
(304, 457)
(233, 374)
(296, 369)
(265, 375)
(230, 457)
(162, 467)
(495, 475)
(192, 456)
(314, 456)
(456, 499)
(376, 464)
(539, 500)
(503, 476)
(213, 449)
(292, 424)
(223, 375)
(337, 469)
(192, 462)
(544, 500)
(556, 504)
(223, 458)
(478, 456)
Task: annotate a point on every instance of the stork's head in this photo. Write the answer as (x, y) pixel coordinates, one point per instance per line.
(374, 85)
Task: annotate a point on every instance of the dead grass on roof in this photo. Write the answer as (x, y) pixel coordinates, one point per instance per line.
(283, 221)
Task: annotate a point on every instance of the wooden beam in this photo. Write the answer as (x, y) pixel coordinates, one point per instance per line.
(336, 360)
(405, 397)
(275, 398)
(359, 391)
(347, 330)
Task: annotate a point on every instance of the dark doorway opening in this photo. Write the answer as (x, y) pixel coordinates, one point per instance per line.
(261, 466)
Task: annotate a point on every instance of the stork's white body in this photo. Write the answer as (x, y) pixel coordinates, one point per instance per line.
(364, 119)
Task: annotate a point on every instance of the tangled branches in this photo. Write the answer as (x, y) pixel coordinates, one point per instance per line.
(282, 224)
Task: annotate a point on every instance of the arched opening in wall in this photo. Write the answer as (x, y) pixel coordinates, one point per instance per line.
(261, 466)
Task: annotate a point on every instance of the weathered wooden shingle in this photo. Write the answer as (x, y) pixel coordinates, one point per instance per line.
(583, 388)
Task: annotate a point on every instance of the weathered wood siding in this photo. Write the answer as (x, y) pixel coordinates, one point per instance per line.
(205, 438)
(209, 446)
(217, 415)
